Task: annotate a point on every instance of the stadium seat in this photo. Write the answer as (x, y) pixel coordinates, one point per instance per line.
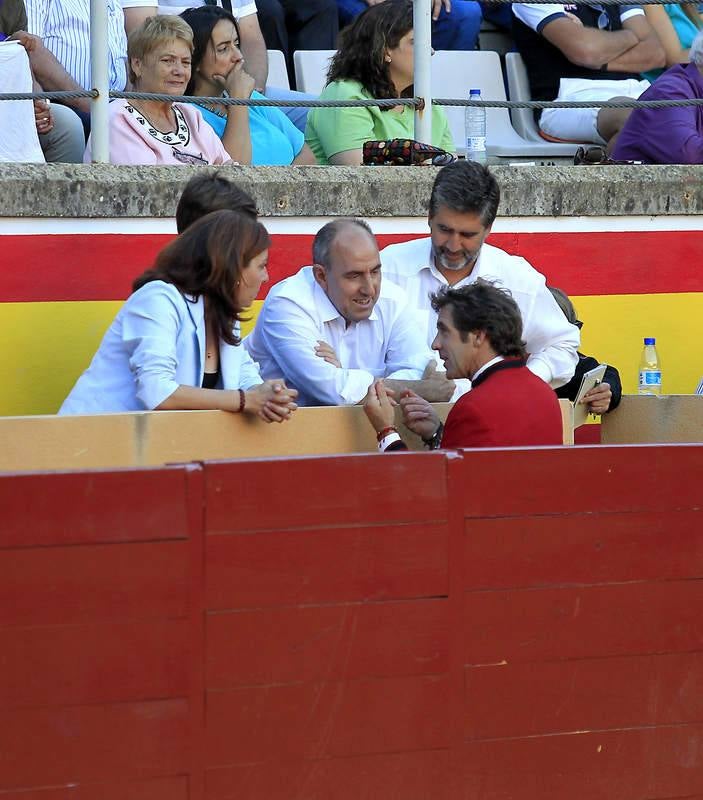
(278, 74)
(311, 69)
(454, 72)
(523, 118)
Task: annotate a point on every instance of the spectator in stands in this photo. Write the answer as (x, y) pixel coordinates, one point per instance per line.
(602, 398)
(253, 46)
(335, 326)
(668, 135)
(207, 192)
(585, 52)
(158, 131)
(175, 343)
(676, 26)
(455, 24)
(374, 60)
(463, 205)
(479, 337)
(60, 131)
(254, 135)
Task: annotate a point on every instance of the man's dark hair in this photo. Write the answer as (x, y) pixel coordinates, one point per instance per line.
(362, 47)
(482, 306)
(207, 192)
(324, 239)
(466, 187)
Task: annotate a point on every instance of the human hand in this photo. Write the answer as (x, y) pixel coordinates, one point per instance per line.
(326, 352)
(439, 388)
(379, 406)
(43, 117)
(372, 2)
(29, 41)
(598, 398)
(437, 7)
(418, 414)
(238, 83)
(271, 401)
(573, 18)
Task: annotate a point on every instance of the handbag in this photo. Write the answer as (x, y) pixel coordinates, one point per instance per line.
(404, 153)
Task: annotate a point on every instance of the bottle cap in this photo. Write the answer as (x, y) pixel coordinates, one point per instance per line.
(473, 92)
(650, 340)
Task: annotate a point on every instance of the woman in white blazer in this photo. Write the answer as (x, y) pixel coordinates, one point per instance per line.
(175, 343)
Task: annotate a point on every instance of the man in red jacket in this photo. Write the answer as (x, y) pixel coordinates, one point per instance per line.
(479, 336)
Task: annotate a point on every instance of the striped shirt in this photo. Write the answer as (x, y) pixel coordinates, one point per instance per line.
(64, 25)
(699, 388)
(240, 8)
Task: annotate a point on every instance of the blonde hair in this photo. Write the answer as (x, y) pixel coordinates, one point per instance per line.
(153, 32)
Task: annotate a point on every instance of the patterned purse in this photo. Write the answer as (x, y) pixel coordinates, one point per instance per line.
(405, 153)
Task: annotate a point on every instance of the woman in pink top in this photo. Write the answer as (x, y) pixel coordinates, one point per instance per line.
(157, 131)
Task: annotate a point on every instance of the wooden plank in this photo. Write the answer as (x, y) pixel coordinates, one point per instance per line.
(515, 700)
(396, 776)
(50, 746)
(91, 664)
(583, 622)
(555, 481)
(317, 643)
(639, 764)
(169, 788)
(316, 492)
(522, 552)
(331, 719)
(87, 583)
(325, 566)
(92, 507)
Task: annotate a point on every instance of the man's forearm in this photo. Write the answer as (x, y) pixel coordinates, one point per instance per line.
(54, 78)
(433, 391)
(648, 54)
(253, 49)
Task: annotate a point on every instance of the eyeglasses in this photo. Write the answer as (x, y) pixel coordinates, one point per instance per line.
(578, 324)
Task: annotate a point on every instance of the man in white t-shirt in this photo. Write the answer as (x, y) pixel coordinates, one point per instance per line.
(333, 328)
(463, 205)
(585, 52)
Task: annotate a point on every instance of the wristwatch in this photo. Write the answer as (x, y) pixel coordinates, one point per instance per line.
(435, 441)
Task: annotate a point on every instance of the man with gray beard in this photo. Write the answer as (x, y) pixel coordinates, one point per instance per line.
(463, 205)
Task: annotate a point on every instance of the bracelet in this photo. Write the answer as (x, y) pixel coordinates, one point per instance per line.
(382, 434)
(242, 400)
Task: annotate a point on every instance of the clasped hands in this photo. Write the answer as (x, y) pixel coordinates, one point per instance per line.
(271, 401)
(418, 414)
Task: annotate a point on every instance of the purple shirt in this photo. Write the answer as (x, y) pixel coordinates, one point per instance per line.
(666, 135)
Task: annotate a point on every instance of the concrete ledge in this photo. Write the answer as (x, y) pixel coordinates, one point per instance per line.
(96, 191)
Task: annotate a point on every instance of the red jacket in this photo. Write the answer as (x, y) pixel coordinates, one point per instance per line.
(508, 406)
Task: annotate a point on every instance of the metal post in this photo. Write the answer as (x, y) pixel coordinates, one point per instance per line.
(99, 134)
(422, 26)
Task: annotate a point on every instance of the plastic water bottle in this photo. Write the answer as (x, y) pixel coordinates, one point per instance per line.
(475, 123)
(650, 369)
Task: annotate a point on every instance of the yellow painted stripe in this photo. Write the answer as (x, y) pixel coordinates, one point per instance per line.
(47, 345)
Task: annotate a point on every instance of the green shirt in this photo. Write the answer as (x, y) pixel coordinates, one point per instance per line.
(333, 130)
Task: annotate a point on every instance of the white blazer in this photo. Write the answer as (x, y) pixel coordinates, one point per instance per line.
(155, 344)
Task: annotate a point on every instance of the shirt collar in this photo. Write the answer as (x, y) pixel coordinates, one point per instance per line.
(486, 366)
(328, 311)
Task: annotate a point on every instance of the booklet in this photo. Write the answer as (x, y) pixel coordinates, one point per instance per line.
(590, 379)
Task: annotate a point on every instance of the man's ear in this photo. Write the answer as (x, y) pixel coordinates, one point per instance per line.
(320, 275)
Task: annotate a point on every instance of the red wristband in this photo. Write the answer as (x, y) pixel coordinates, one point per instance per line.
(242, 400)
(382, 434)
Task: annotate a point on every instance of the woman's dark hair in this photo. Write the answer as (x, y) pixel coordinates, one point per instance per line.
(207, 261)
(202, 20)
(483, 306)
(206, 192)
(363, 44)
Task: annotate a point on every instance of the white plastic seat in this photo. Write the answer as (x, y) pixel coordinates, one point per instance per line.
(311, 69)
(278, 74)
(454, 73)
(523, 118)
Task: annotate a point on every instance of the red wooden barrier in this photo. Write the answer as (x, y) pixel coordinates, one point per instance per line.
(500, 624)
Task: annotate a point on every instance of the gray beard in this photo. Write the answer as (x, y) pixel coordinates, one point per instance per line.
(455, 267)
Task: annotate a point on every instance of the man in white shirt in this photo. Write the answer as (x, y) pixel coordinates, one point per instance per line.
(333, 328)
(463, 205)
(585, 51)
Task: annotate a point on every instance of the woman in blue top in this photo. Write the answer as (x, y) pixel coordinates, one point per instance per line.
(254, 135)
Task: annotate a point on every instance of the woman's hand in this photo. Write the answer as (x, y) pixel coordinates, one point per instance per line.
(271, 401)
(238, 83)
(379, 406)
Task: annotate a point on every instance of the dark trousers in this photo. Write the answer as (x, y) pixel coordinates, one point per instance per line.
(291, 25)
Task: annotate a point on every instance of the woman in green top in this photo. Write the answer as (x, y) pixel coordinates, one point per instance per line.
(374, 60)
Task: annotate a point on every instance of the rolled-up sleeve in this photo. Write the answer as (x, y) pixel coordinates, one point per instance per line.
(249, 374)
(290, 335)
(149, 332)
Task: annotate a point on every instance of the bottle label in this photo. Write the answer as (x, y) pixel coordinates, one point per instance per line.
(650, 377)
(476, 143)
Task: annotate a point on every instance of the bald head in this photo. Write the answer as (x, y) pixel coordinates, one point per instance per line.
(348, 229)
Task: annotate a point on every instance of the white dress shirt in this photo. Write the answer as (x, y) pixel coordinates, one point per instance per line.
(64, 25)
(551, 340)
(240, 8)
(297, 314)
(155, 344)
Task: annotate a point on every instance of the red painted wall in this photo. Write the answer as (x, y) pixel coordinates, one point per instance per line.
(503, 625)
